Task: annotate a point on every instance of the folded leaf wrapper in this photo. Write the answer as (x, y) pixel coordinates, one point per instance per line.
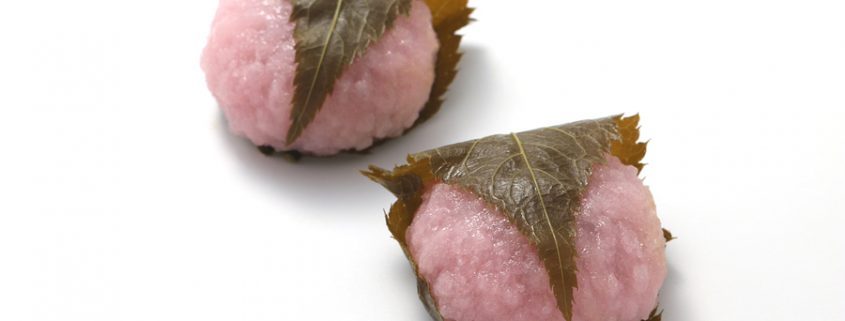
(331, 34)
(447, 17)
(535, 178)
(319, 77)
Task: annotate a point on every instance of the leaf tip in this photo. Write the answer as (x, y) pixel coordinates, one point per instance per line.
(668, 235)
(293, 132)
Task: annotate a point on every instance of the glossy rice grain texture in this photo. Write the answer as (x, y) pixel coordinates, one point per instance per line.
(250, 64)
(480, 267)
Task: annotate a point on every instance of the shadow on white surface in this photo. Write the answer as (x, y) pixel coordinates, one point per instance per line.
(328, 185)
(332, 185)
(404, 274)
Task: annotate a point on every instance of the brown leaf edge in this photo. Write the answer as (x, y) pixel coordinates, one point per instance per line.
(654, 315)
(408, 182)
(447, 17)
(668, 235)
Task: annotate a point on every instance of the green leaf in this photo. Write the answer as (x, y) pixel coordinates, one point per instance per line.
(330, 35)
(535, 178)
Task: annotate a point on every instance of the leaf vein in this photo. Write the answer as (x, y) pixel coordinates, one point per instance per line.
(329, 37)
(466, 157)
(499, 168)
(542, 205)
(551, 176)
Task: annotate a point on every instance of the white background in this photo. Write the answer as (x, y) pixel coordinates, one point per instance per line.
(123, 196)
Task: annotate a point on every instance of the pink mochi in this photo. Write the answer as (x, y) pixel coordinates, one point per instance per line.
(481, 268)
(250, 64)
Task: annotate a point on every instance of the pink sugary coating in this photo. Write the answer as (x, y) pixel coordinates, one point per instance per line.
(250, 64)
(481, 268)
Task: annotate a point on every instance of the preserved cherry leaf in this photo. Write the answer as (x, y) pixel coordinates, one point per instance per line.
(535, 178)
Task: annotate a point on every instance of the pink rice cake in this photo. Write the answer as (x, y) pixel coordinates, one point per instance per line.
(481, 268)
(250, 65)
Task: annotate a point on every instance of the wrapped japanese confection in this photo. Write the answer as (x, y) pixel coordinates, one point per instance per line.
(551, 224)
(319, 77)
